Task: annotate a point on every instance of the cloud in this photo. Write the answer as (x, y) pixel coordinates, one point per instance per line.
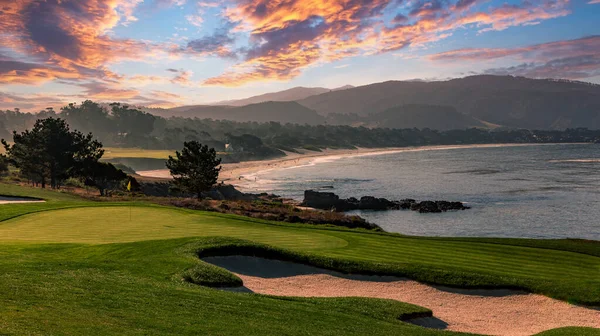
(94, 90)
(29, 102)
(182, 78)
(594, 2)
(574, 59)
(288, 36)
(69, 39)
(74, 40)
(166, 95)
(13, 71)
(218, 44)
(576, 67)
(195, 20)
(169, 3)
(101, 91)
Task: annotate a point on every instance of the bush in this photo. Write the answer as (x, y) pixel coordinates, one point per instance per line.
(73, 183)
(3, 165)
(275, 211)
(124, 168)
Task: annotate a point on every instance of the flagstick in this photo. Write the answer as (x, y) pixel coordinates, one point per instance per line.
(130, 198)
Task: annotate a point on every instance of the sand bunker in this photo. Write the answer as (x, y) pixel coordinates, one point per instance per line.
(11, 200)
(492, 312)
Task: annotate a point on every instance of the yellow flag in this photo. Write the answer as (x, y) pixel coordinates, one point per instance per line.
(129, 186)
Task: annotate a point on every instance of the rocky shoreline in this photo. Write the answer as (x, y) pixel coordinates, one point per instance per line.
(331, 201)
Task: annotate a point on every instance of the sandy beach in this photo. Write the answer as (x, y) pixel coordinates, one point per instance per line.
(242, 173)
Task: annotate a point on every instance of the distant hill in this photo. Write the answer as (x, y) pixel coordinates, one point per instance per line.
(503, 100)
(283, 112)
(292, 94)
(442, 118)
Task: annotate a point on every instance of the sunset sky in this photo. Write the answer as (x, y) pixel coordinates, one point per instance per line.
(181, 52)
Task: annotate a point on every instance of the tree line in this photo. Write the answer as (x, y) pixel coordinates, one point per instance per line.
(51, 153)
(118, 125)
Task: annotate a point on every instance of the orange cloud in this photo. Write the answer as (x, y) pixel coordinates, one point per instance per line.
(69, 39)
(287, 36)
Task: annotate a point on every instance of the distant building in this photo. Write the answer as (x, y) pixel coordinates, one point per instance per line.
(229, 148)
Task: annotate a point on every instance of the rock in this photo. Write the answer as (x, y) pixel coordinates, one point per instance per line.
(446, 206)
(373, 203)
(320, 200)
(331, 201)
(323, 200)
(426, 207)
(405, 204)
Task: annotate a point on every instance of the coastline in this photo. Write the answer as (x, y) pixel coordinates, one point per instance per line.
(245, 171)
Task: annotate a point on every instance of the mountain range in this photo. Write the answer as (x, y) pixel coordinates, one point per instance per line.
(475, 101)
(292, 94)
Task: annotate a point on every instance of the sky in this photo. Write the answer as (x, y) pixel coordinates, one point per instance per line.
(165, 53)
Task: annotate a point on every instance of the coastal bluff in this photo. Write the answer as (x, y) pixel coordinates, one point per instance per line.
(331, 201)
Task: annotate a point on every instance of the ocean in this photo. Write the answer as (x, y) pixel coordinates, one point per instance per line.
(537, 191)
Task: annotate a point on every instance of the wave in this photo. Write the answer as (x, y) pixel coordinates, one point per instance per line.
(593, 160)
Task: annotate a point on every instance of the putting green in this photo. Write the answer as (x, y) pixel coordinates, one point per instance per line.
(97, 225)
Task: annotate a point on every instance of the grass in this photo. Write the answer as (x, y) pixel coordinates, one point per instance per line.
(118, 153)
(70, 266)
(115, 153)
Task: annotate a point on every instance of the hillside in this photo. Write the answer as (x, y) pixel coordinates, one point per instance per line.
(283, 112)
(442, 118)
(296, 93)
(503, 100)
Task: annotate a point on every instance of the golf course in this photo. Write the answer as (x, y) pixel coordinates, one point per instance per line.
(72, 266)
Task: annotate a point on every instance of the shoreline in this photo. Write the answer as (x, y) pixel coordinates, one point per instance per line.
(234, 173)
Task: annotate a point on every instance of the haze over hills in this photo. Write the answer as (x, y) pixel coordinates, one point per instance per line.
(476, 101)
(504, 100)
(292, 94)
(283, 112)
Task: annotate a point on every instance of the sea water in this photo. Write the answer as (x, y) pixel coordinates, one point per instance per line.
(538, 191)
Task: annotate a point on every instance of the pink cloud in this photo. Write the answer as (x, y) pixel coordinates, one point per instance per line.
(574, 59)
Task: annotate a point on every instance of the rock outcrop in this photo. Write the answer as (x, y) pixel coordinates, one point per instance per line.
(331, 201)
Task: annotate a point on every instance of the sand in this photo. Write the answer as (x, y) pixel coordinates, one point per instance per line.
(243, 174)
(491, 312)
(13, 200)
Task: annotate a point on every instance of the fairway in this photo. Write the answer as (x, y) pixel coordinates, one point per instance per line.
(128, 224)
(118, 268)
(139, 153)
(98, 225)
(115, 153)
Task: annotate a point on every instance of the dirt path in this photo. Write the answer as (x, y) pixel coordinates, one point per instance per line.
(491, 312)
